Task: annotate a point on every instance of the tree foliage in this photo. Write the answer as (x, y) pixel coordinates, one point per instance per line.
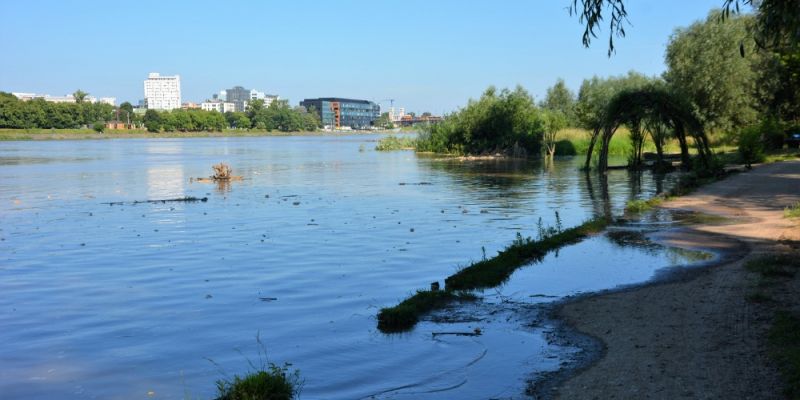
(279, 116)
(560, 98)
(37, 113)
(554, 121)
(506, 121)
(705, 66)
(590, 13)
(777, 23)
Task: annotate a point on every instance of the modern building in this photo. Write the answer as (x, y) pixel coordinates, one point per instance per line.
(241, 97)
(218, 106)
(267, 98)
(337, 112)
(162, 92)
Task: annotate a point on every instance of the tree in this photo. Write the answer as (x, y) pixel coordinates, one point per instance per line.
(554, 121)
(79, 96)
(152, 120)
(560, 98)
(506, 121)
(704, 65)
(593, 98)
(384, 122)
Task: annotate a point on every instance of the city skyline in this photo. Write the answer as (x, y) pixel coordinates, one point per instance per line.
(427, 57)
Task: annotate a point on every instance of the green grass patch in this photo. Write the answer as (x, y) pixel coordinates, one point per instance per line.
(272, 382)
(792, 211)
(496, 270)
(784, 343)
(484, 274)
(639, 206)
(266, 381)
(391, 143)
(774, 266)
(406, 314)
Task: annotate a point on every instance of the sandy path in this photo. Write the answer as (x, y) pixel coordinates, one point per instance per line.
(696, 336)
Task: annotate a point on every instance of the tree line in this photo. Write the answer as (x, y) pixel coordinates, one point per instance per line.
(41, 114)
(38, 113)
(278, 116)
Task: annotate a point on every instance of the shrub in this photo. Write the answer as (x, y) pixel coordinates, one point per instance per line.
(751, 148)
(99, 127)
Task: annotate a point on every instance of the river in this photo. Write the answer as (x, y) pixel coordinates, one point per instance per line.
(104, 298)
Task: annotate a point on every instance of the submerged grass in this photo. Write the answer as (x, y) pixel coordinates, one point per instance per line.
(639, 206)
(406, 314)
(391, 143)
(784, 343)
(496, 270)
(484, 274)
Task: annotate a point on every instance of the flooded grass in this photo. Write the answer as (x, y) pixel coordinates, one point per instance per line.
(639, 206)
(483, 274)
(784, 342)
(496, 270)
(392, 143)
(406, 314)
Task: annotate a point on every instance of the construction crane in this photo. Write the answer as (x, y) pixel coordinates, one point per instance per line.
(391, 102)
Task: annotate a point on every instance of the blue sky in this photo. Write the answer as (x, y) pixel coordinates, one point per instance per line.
(427, 55)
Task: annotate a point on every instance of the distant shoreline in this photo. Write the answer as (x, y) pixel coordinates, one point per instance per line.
(88, 134)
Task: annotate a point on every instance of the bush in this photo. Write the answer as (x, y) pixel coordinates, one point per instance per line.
(505, 121)
(751, 147)
(772, 133)
(565, 147)
(99, 127)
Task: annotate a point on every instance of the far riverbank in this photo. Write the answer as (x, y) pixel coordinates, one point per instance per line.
(88, 134)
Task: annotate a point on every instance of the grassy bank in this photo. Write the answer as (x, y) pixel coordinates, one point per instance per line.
(483, 274)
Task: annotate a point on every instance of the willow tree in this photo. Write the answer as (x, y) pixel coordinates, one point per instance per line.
(632, 106)
(593, 99)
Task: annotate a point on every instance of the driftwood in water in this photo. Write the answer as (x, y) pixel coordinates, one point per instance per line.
(222, 173)
(187, 199)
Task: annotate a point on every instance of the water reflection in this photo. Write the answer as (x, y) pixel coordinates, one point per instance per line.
(165, 182)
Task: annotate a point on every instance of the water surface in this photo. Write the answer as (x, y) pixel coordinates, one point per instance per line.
(161, 300)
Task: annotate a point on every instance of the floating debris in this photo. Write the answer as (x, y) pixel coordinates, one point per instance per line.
(414, 184)
(268, 298)
(187, 199)
(476, 332)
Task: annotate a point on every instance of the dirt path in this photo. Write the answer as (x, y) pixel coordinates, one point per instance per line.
(695, 337)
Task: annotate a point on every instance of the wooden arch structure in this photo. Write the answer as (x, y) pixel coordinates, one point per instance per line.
(633, 107)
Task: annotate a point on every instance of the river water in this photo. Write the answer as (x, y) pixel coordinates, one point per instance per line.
(160, 300)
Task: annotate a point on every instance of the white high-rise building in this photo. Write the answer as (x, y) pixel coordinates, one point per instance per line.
(162, 92)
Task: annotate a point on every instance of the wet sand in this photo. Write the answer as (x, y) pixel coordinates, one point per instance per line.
(693, 334)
